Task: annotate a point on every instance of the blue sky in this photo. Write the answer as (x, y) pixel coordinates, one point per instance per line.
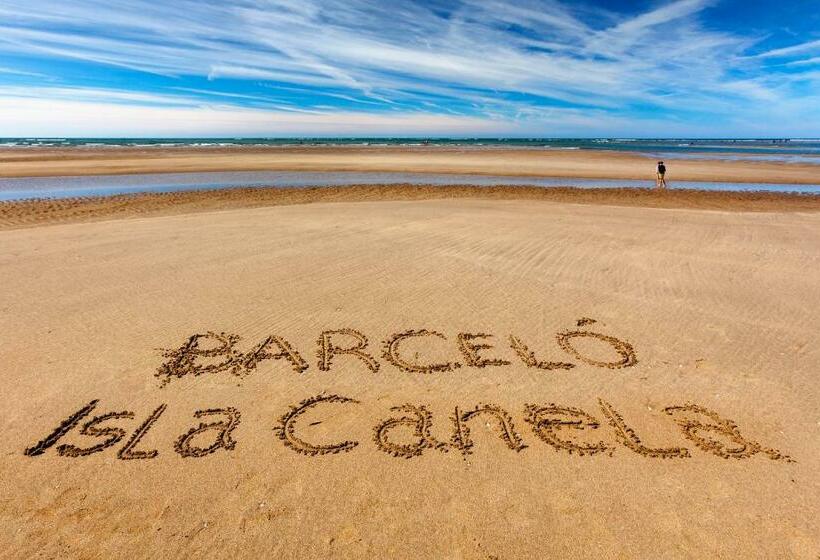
(704, 68)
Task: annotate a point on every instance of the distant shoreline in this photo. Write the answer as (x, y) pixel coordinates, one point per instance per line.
(517, 162)
(405, 140)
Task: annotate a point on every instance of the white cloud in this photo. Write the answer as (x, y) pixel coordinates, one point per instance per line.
(16, 72)
(412, 57)
(25, 116)
(103, 113)
(90, 94)
(791, 50)
(805, 62)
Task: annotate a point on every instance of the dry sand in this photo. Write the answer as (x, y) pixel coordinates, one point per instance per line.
(29, 162)
(719, 309)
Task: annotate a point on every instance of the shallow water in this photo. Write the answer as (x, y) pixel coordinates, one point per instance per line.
(106, 185)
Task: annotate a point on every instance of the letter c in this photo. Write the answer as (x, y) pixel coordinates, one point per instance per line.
(391, 353)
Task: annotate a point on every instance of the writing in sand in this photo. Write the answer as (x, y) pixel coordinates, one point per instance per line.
(213, 352)
(408, 430)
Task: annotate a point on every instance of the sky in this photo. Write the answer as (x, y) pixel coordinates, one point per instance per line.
(458, 68)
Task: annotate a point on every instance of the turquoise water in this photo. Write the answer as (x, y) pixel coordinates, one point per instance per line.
(786, 147)
(106, 185)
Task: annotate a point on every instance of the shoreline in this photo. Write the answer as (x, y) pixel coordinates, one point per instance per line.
(41, 212)
(592, 164)
(110, 185)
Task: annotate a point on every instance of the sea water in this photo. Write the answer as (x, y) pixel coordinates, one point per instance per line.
(105, 185)
(778, 147)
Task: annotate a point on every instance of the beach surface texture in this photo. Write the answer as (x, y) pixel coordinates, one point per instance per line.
(466, 374)
(593, 164)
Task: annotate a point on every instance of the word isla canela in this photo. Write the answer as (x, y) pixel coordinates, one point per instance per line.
(409, 431)
(217, 352)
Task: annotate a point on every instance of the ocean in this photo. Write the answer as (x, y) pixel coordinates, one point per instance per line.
(785, 149)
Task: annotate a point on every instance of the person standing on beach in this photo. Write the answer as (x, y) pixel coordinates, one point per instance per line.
(661, 181)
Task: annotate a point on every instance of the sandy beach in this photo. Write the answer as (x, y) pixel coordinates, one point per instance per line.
(593, 164)
(473, 376)
(421, 280)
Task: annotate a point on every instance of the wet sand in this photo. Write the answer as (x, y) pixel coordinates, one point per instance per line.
(40, 162)
(31, 213)
(458, 377)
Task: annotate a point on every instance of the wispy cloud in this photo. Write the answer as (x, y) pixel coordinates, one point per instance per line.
(17, 72)
(810, 46)
(804, 62)
(521, 65)
(92, 95)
